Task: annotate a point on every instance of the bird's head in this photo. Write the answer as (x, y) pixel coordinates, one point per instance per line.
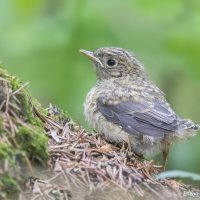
(112, 62)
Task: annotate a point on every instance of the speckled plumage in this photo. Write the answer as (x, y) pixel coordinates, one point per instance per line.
(125, 105)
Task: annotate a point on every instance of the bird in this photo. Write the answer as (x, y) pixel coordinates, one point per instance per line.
(126, 106)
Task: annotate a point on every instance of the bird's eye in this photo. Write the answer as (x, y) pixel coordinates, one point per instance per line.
(111, 62)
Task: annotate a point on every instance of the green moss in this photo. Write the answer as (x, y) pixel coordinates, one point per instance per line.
(26, 144)
(27, 111)
(1, 123)
(15, 83)
(8, 186)
(4, 73)
(24, 100)
(23, 97)
(33, 142)
(6, 152)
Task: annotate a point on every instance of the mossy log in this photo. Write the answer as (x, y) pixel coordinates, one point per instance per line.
(45, 155)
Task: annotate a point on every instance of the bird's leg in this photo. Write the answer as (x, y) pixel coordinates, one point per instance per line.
(165, 156)
(129, 143)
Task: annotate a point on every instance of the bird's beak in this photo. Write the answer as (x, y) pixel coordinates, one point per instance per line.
(90, 55)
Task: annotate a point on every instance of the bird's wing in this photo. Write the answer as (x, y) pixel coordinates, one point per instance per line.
(140, 118)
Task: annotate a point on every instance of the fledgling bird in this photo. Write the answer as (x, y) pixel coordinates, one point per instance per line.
(125, 106)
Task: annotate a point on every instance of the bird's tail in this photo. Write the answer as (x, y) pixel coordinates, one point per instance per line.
(189, 125)
(188, 128)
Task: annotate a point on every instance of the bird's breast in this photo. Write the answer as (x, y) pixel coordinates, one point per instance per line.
(90, 106)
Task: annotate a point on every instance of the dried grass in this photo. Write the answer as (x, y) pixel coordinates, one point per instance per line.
(82, 165)
(85, 166)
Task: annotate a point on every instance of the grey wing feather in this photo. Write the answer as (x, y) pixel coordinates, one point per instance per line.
(139, 118)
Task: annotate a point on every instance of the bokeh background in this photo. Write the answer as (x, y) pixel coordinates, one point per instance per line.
(40, 39)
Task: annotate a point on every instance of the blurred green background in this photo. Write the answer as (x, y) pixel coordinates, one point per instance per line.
(40, 39)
